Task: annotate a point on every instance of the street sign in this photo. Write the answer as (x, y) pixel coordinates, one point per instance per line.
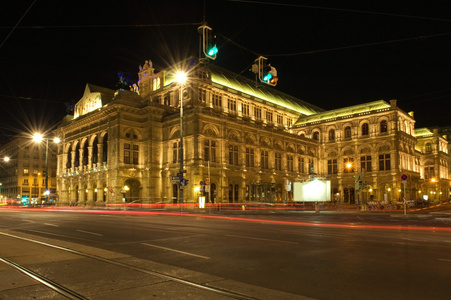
(207, 181)
(201, 183)
(404, 177)
(175, 179)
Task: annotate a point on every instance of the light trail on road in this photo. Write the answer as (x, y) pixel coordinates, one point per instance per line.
(197, 215)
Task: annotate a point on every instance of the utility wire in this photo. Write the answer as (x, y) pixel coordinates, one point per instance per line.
(15, 26)
(30, 99)
(342, 9)
(337, 48)
(102, 26)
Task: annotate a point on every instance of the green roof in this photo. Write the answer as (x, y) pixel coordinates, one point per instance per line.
(331, 115)
(420, 132)
(261, 91)
(238, 83)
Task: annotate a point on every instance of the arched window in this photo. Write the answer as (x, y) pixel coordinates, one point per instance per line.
(365, 129)
(84, 160)
(316, 136)
(347, 132)
(383, 126)
(105, 148)
(77, 156)
(331, 135)
(428, 148)
(95, 151)
(69, 158)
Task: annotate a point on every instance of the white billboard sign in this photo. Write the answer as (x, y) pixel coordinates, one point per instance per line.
(311, 191)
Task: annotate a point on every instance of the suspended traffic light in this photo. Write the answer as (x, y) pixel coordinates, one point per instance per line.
(208, 37)
(266, 73)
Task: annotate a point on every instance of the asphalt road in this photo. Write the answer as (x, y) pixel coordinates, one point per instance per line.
(319, 256)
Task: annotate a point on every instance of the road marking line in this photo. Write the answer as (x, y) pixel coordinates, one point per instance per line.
(444, 259)
(182, 252)
(88, 232)
(262, 239)
(48, 224)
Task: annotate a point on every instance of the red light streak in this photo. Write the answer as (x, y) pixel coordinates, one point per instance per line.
(197, 215)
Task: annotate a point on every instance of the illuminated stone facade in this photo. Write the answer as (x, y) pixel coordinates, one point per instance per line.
(22, 177)
(250, 141)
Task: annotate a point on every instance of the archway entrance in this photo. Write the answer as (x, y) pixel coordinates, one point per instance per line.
(134, 192)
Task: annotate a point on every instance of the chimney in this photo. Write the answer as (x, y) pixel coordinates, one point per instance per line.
(393, 103)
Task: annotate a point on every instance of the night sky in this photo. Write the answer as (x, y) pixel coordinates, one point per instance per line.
(329, 53)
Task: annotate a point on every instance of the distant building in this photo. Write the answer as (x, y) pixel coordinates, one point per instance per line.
(23, 176)
(249, 141)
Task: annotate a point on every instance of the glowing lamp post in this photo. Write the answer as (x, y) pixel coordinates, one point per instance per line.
(181, 79)
(37, 137)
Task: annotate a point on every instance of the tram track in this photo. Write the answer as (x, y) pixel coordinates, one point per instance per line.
(71, 294)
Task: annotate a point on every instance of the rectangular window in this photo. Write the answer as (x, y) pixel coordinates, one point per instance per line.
(217, 100)
(233, 155)
(257, 113)
(280, 120)
(384, 162)
(167, 100)
(25, 171)
(249, 157)
(301, 167)
(264, 160)
(126, 156)
(365, 163)
(278, 161)
(245, 108)
(429, 172)
(25, 181)
(332, 166)
(231, 105)
(290, 163)
(135, 157)
(202, 95)
(269, 116)
(210, 150)
(289, 122)
(311, 167)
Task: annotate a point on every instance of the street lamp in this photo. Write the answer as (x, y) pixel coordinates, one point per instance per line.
(37, 137)
(181, 79)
